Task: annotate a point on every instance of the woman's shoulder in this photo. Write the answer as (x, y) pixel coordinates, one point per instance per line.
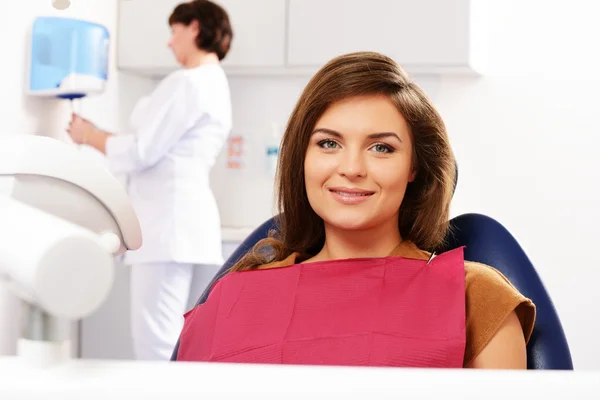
(192, 76)
(202, 75)
(175, 76)
(490, 298)
(176, 82)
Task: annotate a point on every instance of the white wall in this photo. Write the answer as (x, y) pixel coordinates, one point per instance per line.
(527, 141)
(526, 136)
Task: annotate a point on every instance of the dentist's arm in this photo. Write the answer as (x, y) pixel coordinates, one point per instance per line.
(171, 112)
(98, 140)
(83, 131)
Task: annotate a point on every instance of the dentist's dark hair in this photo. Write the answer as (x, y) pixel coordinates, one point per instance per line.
(425, 210)
(215, 34)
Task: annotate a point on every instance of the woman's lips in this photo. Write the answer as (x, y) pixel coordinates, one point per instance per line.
(350, 196)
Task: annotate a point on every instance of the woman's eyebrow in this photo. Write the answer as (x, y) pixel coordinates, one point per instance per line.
(327, 131)
(378, 135)
(383, 135)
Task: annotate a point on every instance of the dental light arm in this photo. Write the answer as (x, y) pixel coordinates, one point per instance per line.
(63, 218)
(62, 268)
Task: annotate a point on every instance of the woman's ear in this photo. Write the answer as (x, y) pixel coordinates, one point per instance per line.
(412, 176)
(195, 26)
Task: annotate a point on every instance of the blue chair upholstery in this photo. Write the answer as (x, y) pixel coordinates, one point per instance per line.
(487, 242)
(490, 243)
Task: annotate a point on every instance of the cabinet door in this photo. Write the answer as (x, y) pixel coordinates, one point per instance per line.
(258, 32)
(258, 25)
(413, 32)
(144, 33)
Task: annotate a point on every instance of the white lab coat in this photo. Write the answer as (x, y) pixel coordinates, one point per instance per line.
(179, 130)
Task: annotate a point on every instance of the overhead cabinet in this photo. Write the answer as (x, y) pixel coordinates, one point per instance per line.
(299, 36)
(259, 35)
(422, 35)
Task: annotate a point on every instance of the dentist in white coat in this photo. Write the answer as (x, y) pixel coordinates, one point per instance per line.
(176, 135)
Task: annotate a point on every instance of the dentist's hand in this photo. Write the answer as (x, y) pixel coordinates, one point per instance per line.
(80, 129)
(83, 131)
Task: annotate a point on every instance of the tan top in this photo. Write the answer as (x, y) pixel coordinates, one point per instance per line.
(490, 298)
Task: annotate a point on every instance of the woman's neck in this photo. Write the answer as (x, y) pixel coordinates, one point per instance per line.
(379, 241)
(200, 58)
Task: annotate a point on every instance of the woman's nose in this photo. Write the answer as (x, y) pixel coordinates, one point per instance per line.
(352, 164)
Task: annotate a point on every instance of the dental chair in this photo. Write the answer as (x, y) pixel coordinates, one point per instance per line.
(488, 242)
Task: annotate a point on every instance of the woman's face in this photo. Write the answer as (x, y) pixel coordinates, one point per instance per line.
(183, 40)
(358, 164)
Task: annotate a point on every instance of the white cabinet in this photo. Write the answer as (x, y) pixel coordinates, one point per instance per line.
(143, 36)
(259, 35)
(422, 35)
(283, 37)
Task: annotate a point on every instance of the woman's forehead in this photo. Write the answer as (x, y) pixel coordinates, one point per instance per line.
(363, 116)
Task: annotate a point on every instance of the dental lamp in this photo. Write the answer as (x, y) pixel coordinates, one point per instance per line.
(63, 219)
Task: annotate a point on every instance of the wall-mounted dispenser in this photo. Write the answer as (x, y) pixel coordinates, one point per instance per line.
(68, 58)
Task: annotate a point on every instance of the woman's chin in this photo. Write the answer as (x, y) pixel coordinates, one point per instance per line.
(350, 224)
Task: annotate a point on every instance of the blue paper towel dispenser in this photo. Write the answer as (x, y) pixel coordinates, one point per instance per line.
(68, 58)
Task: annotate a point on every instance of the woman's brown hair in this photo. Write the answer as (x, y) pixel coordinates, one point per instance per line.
(215, 34)
(425, 210)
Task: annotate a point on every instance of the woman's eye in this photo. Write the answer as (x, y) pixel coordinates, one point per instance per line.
(327, 144)
(382, 148)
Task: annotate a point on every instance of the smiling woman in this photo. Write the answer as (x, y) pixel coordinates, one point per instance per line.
(363, 161)
(365, 180)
